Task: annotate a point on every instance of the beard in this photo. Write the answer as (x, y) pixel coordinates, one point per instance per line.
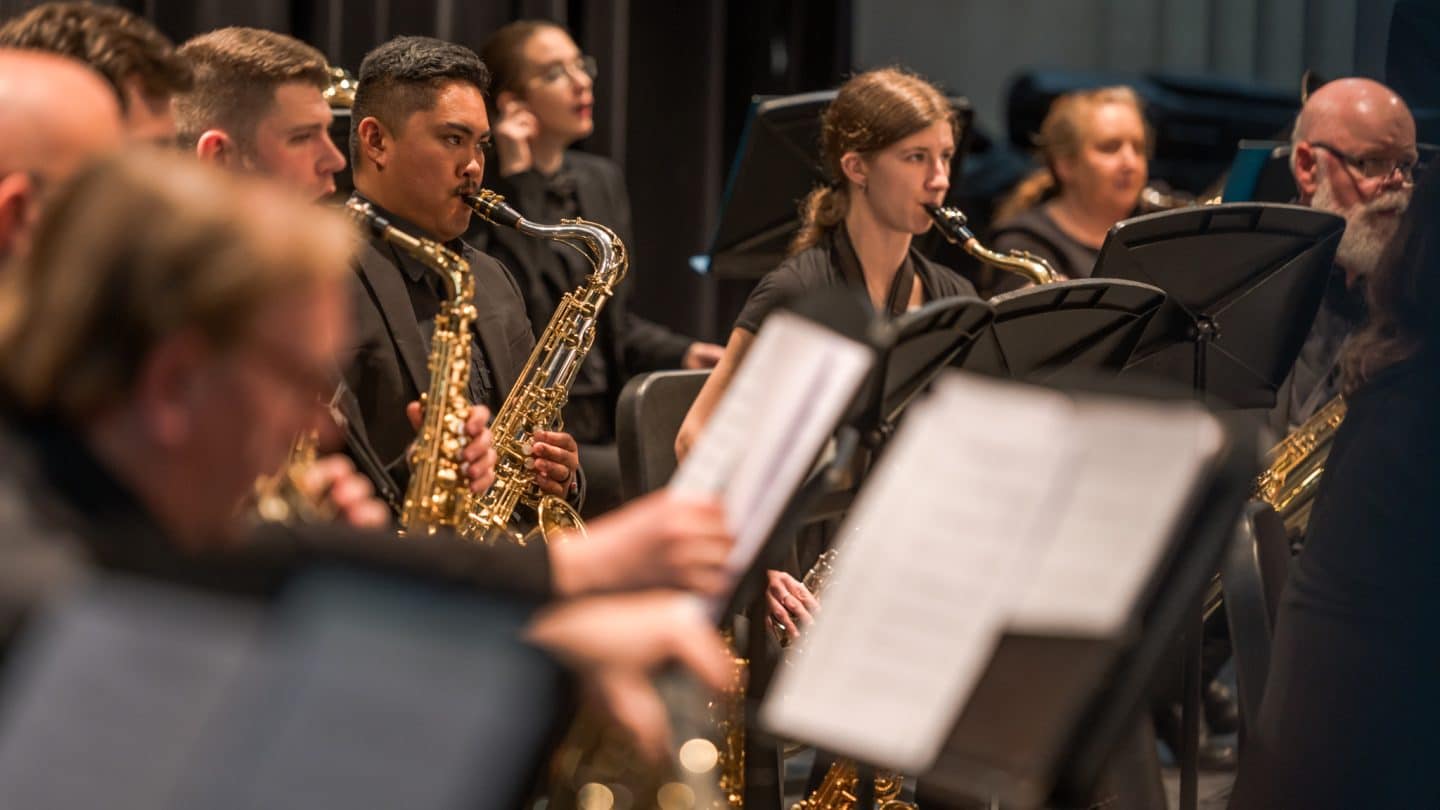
(1369, 225)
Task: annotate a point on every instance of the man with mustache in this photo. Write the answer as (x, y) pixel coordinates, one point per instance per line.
(1352, 153)
(418, 133)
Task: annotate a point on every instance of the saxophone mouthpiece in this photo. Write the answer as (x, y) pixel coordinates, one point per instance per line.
(951, 223)
(493, 209)
(364, 214)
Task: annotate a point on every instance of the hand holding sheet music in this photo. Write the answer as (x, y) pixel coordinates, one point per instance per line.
(764, 437)
(990, 495)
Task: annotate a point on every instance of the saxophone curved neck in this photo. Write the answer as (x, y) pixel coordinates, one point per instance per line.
(951, 222)
(451, 266)
(599, 244)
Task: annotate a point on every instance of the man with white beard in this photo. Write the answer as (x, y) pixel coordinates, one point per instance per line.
(1353, 154)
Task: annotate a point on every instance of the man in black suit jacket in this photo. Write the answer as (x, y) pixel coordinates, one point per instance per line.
(419, 128)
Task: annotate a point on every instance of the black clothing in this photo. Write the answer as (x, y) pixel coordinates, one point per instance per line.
(590, 187)
(1350, 708)
(387, 364)
(626, 344)
(832, 263)
(1315, 378)
(63, 514)
(1033, 230)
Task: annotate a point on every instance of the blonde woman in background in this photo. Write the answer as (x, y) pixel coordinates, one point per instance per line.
(1095, 147)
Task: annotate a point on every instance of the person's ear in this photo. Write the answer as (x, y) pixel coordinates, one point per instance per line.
(856, 169)
(17, 204)
(170, 385)
(1305, 166)
(216, 146)
(1063, 168)
(375, 141)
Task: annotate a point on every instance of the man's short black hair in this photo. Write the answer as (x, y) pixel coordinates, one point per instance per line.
(403, 76)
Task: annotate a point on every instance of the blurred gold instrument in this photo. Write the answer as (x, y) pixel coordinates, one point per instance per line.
(1290, 481)
(341, 92)
(286, 496)
(951, 222)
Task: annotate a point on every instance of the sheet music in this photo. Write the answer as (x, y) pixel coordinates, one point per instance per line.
(782, 406)
(927, 573)
(1137, 463)
(998, 506)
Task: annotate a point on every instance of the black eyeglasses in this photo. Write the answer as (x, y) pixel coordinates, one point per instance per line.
(1375, 168)
(556, 71)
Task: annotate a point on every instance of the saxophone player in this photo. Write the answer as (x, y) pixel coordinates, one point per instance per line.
(887, 141)
(419, 127)
(418, 133)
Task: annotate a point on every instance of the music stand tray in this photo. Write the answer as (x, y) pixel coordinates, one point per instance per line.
(1243, 281)
(1086, 324)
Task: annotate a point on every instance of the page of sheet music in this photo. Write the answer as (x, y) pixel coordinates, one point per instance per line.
(1136, 467)
(782, 406)
(928, 570)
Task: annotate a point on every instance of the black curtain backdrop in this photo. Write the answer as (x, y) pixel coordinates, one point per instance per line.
(675, 82)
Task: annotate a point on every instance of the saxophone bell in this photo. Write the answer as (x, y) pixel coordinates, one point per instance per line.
(951, 223)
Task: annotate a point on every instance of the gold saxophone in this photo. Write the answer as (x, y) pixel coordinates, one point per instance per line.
(1289, 483)
(535, 401)
(1291, 479)
(438, 488)
(951, 223)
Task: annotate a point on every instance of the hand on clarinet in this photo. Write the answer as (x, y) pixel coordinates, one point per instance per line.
(790, 604)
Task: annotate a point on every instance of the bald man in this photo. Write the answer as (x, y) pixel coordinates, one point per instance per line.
(55, 115)
(1352, 153)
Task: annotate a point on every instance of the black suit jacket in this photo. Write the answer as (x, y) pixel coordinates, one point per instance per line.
(631, 344)
(386, 365)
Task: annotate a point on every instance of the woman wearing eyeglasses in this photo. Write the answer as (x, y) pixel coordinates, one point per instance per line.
(542, 103)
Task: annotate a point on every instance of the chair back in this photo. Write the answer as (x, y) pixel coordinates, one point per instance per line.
(647, 419)
(1252, 580)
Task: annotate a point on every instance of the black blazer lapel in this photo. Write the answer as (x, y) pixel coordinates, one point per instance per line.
(381, 276)
(500, 321)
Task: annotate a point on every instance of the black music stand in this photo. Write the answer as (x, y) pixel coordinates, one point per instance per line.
(776, 165)
(1244, 281)
(169, 697)
(1049, 713)
(1085, 324)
